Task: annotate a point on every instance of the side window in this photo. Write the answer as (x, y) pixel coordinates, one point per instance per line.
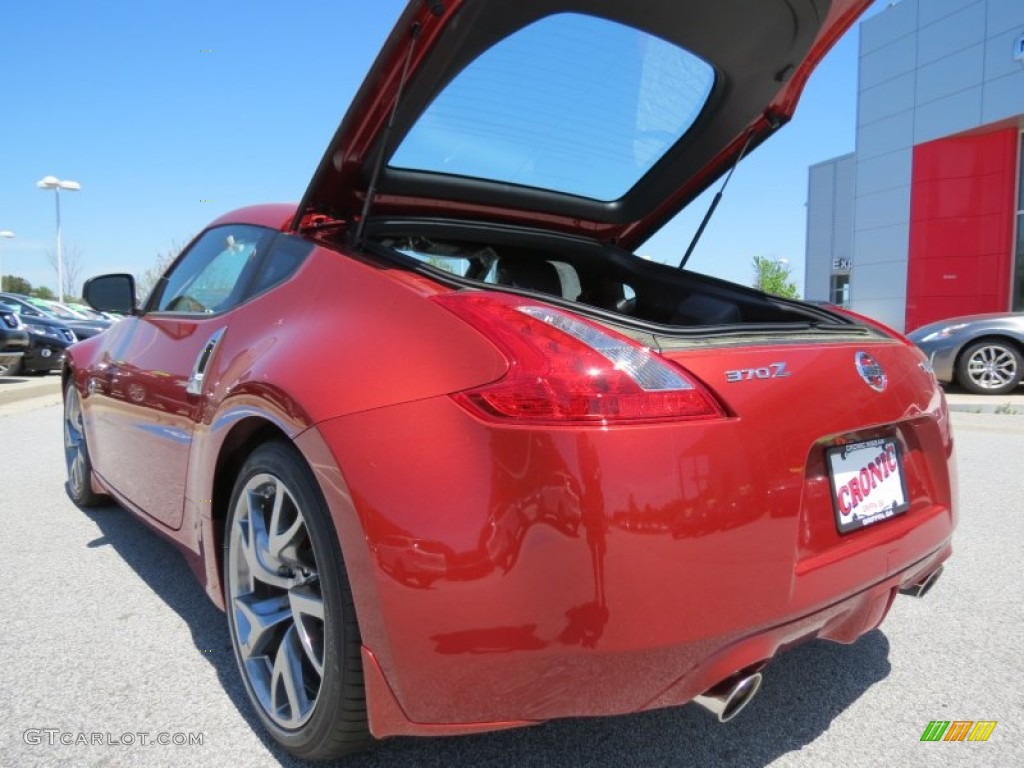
(215, 272)
(286, 254)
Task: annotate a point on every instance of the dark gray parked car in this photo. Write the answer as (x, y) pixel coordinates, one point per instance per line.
(84, 329)
(984, 353)
(48, 340)
(13, 339)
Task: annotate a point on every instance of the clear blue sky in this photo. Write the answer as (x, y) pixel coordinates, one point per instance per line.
(171, 113)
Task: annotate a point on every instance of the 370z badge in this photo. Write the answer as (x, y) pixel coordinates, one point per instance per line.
(771, 371)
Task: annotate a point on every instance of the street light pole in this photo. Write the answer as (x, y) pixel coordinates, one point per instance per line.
(5, 234)
(60, 252)
(52, 182)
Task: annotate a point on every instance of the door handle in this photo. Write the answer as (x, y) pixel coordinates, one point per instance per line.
(195, 381)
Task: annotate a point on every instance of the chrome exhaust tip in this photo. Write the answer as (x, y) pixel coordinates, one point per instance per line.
(729, 697)
(920, 589)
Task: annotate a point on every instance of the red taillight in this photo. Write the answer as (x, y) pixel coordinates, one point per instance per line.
(564, 368)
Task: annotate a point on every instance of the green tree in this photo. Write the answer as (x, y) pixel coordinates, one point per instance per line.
(42, 292)
(772, 276)
(15, 284)
(144, 281)
(71, 257)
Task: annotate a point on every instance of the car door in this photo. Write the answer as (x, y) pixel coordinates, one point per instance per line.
(146, 390)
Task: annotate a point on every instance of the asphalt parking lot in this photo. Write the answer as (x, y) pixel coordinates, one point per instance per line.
(107, 633)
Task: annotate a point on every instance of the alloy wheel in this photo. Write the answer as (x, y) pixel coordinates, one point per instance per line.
(276, 601)
(992, 366)
(75, 453)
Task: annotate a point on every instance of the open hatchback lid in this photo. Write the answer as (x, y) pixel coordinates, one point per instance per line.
(596, 117)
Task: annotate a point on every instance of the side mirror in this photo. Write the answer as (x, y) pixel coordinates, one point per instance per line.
(111, 293)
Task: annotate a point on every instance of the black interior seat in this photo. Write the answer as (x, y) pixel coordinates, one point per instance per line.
(705, 310)
(529, 274)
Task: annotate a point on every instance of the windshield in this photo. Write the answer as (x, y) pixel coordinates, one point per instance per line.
(89, 314)
(55, 309)
(571, 103)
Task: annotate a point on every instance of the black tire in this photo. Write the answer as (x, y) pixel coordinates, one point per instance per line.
(76, 453)
(990, 367)
(277, 507)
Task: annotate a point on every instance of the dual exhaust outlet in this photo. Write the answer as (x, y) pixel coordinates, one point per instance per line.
(729, 697)
(920, 589)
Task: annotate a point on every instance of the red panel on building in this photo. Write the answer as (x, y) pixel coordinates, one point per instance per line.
(961, 226)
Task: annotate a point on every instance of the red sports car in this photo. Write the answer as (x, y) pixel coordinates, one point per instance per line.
(452, 458)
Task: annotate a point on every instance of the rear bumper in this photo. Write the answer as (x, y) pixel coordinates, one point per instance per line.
(842, 622)
(509, 575)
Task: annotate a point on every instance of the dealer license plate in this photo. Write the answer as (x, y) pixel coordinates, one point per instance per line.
(867, 483)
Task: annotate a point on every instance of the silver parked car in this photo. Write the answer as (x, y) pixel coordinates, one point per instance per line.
(984, 353)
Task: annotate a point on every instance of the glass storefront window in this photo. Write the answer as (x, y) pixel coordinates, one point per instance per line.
(839, 290)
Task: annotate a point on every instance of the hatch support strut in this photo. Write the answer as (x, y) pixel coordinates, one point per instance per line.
(371, 191)
(714, 203)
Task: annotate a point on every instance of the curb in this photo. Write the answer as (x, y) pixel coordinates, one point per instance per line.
(1000, 409)
(1009, 404)
(17, 392)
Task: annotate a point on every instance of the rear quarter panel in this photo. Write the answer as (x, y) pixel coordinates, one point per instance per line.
(339, 337)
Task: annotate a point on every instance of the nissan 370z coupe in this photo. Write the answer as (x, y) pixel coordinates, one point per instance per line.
(452, 458)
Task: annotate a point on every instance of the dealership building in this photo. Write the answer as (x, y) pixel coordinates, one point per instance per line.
(925, 219)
